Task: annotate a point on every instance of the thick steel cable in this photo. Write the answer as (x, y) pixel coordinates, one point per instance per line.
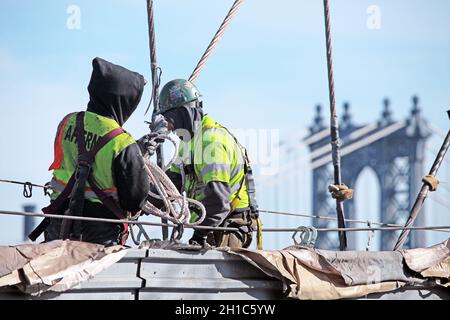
(423, 192)
(334, 219)
(215, 40)
(155, 91)
(334, 126)
(152, 37)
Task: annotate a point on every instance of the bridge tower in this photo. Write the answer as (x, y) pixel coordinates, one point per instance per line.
(395, 150)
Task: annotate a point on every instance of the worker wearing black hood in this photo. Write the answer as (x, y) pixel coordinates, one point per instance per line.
(118, 167)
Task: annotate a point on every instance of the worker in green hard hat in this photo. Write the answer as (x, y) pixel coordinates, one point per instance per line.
(211, 167)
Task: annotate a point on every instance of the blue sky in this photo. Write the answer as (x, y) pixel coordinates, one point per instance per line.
(268, 72)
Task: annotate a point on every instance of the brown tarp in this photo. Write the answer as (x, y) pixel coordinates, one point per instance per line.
(308, 273)
(15, 257)
(430, 262)
(362, 267)
(54, 266)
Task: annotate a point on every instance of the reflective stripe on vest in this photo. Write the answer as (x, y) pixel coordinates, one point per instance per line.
(89, 194)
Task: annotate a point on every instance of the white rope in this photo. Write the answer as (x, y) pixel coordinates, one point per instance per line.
(176, 205)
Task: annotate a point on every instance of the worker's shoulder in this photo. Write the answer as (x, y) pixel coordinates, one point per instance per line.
(124, 143)
(212, 130)
(128, 137)
(68, 117)
(215, 134)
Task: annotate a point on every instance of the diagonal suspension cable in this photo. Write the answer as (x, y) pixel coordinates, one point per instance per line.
(423, 192)
(215, 40)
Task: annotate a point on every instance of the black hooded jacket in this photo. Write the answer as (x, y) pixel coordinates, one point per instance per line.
(115, 93)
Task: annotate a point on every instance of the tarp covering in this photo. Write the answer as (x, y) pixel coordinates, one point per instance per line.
(55, 266)
(309, 273)
(362, 267)
(430, 262)
(306, 273)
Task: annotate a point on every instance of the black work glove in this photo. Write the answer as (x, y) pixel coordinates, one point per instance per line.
(149, 143)
(159, 125)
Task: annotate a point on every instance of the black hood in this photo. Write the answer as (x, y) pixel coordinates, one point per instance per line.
(114, 91)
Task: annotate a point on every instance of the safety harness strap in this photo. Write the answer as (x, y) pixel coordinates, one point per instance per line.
(106, 199)
(76, 185)
(82, 172)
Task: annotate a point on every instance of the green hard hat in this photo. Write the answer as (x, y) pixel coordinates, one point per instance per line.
(177, 93)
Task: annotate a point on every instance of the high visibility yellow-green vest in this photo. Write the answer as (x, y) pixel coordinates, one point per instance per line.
(66, 153)
(212, 155)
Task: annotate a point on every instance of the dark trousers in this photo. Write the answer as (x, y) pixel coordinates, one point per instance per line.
(104, 233)
(107, 234)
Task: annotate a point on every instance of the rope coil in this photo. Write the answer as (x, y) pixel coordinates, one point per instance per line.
(177, 208)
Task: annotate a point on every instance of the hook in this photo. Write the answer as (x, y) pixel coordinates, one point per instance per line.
(177, 233)
(370, 235)
(27, 190)
(307, 236)
(47, 186)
